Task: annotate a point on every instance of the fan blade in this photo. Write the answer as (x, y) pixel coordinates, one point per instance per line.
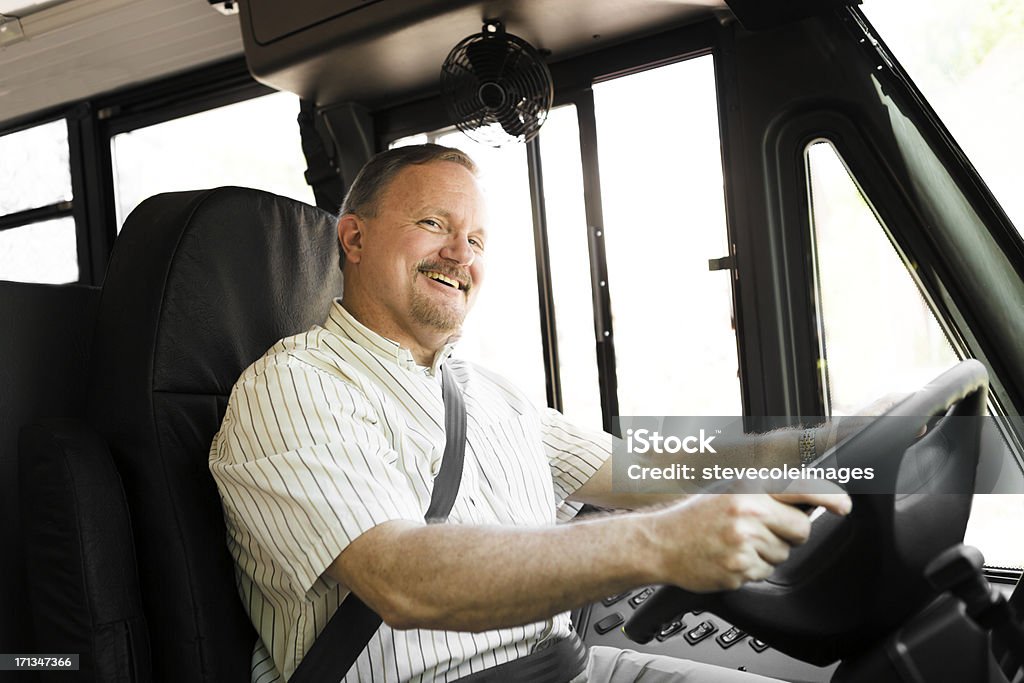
(510, 115)
(487, 58)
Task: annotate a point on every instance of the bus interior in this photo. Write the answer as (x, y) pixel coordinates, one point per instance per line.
(767, 209)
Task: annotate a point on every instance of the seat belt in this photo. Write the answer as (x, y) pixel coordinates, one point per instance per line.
(343, 639)
(338, 646)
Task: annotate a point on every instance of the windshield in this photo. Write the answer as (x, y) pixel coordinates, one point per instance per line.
(973, 77)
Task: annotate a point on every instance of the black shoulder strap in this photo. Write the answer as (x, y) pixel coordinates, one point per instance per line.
(338, 646)
(446, 483)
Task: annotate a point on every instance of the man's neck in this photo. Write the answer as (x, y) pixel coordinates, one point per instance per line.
(423, 347)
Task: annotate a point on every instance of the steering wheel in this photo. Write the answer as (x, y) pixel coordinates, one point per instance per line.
(857, 577)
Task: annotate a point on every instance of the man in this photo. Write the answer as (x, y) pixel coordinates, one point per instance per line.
(326, 457)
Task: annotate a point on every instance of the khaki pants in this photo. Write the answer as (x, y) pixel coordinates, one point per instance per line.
(612, 665)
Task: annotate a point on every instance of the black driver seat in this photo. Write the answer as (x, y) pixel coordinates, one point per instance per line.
(199, 285)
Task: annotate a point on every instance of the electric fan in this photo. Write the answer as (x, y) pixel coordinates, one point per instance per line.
(496, 87)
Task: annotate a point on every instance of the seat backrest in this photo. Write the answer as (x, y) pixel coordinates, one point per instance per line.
(199, 285)
(44, 335)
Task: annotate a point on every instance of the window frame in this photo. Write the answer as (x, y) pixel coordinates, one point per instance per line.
(17, 219)
(767, 200)
(93, 122)
(61, 209)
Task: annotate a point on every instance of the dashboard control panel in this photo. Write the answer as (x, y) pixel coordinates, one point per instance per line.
(699, 636)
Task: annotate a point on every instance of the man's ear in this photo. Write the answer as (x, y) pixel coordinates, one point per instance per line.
(350, 235)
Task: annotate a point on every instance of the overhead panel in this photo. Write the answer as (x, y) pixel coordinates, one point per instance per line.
(760, 15)
(381, 52)
(273, 20)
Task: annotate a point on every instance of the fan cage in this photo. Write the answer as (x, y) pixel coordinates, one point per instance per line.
(497, 88)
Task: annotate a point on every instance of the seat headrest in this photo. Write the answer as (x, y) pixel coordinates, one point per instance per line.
(221, 275)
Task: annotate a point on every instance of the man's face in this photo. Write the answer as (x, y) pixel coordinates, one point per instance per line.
(422, 256)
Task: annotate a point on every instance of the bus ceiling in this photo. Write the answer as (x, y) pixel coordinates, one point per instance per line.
(53, 52)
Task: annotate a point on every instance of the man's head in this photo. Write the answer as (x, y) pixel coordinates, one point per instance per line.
(412, 231)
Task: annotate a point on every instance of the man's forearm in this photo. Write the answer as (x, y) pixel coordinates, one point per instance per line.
(475, 578)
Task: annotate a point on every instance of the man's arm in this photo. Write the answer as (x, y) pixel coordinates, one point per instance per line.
(472, 578)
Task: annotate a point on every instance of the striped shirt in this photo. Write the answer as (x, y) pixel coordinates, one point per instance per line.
(336, 430)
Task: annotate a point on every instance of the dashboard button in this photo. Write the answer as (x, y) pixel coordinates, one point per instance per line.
(669, 630)
(700, 632)
(612, 599)
(641, 597)
(758, 645)
(731, 637)
(608, 623)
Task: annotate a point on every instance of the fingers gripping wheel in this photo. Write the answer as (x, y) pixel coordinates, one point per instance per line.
(859, 576)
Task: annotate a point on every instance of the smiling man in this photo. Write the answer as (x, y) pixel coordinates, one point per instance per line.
(414, 251)
(331, 441)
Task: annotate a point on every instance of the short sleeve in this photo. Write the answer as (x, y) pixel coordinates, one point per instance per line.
(304, 467)
(574, 454)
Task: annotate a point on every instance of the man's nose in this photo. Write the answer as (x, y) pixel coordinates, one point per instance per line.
(459, 250)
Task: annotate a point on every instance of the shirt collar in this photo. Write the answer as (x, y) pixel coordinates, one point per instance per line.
(341, 321)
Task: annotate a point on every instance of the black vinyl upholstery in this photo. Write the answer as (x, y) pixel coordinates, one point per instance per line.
(43, 355)
(199, 285)
(80, 555)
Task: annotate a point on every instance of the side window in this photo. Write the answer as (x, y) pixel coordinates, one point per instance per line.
(664, 213)
(37, 232)
(878, 335)
(877, 332)
(254, 143)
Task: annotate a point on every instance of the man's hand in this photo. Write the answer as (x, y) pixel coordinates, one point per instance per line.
(719, 542)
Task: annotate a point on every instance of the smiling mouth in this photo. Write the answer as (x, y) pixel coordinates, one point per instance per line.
(444, 279)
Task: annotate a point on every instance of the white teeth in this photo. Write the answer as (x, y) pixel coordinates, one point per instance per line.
(443, 278)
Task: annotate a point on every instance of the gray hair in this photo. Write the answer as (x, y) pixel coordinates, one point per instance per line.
(379, 171)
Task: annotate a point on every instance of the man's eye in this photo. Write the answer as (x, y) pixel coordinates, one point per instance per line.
(477, 243)
(431, 223)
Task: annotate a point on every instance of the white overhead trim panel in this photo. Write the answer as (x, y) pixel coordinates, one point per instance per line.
(37, 18)
(80, 48)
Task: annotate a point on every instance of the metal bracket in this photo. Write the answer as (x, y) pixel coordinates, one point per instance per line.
(225, 7)
(11, 30)
(723, 263)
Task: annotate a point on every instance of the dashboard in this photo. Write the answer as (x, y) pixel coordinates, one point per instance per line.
(699, 636)
(705, 637)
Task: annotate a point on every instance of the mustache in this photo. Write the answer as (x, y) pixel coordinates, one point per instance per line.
(460, 274)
